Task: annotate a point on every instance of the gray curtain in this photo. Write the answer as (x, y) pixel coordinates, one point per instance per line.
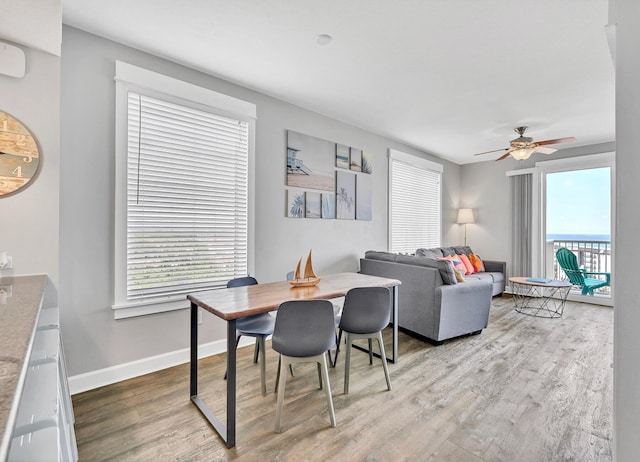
(521, 189)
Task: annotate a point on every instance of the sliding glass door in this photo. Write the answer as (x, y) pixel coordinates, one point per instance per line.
(578, 210)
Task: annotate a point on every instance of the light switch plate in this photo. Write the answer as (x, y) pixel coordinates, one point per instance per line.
(13, 61)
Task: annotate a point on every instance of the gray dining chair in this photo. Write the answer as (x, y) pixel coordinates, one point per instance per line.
(366, 311)
(336, 315)
(304, 332)
(259, 326)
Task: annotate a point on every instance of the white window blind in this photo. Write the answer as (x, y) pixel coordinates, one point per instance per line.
(415, 203)
(187, 181)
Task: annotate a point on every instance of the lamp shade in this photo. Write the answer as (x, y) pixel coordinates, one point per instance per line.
(465, 216)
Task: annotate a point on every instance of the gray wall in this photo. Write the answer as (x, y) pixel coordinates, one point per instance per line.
(29, 219)
(93, 339)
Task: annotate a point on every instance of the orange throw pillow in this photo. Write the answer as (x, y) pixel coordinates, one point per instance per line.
(476, 262)
(467, 264)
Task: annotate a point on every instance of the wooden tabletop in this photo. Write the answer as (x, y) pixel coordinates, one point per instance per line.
(243, 301)
(552, 283)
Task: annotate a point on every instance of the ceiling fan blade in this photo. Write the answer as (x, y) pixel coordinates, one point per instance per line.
(544, 150)
(570, 139)
(489, 152)
(503, 156)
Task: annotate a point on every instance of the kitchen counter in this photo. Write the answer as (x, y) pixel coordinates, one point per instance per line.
(18, 314)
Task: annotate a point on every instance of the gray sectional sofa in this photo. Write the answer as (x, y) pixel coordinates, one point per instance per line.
(431, 304)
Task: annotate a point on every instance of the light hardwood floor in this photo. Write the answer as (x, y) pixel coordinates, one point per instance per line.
(525, 389)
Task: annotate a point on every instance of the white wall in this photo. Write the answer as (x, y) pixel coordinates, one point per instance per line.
(626, 16)
(29, 220)
(93, 339)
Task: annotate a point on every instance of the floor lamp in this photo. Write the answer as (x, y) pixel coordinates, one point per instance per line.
(465, 216)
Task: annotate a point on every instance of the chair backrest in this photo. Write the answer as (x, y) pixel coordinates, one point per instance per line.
(304, 328)
(243, 281)
(569, 264)
(366, 310)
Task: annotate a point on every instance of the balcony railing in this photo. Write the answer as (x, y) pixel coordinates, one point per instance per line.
(593, 256)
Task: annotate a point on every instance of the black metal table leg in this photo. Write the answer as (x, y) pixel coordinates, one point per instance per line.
(228, 432)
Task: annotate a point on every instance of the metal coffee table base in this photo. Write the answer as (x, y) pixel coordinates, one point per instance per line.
(542, 300)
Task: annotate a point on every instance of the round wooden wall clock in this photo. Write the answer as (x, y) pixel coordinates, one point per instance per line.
(19, 155)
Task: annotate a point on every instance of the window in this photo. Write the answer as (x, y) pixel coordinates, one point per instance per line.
(414, 204)
(182, 191)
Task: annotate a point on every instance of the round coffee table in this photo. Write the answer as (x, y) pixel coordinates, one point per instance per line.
(539, 297)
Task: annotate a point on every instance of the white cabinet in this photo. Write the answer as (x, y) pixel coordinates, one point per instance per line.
(43, 429)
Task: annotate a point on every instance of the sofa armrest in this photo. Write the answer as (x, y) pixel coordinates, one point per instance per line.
(495, 266)
(463, 308)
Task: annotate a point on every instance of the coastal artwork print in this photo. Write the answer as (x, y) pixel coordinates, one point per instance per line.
(345, 196)
(310, 162)
(355, 159)
(342, 156)
(312, 205)
(363, 197)
(328, 205)
(366, 163)
(295, 204)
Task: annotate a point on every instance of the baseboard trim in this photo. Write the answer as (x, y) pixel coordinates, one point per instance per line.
(107, 376)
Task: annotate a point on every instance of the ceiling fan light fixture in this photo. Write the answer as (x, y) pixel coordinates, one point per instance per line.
(522, 153)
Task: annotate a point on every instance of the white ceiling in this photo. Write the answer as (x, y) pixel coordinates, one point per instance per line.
(450, 77)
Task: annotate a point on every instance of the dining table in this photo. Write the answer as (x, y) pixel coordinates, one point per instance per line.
(231, 304)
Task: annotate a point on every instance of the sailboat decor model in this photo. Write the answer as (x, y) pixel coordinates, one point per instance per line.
(309, 278)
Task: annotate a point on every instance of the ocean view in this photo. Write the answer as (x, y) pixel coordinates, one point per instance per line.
(579, 237)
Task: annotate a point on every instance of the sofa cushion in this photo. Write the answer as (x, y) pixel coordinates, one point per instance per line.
(384, 256)
(448, 251)
(429, 253)
(444, 267)
(467, 264)
(493, 277)
(462, 249)
(476, 261)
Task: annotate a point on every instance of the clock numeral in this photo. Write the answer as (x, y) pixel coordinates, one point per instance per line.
(5, 125)
(4, 184)
(28, 159)
(17, 172)
(20, 140)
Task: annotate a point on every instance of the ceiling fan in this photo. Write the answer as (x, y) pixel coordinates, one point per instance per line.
(523, 146)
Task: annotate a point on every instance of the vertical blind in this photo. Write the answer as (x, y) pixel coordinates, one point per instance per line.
(187, 198)
(415, 207)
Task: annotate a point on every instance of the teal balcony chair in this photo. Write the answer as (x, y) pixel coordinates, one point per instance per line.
(578, 276)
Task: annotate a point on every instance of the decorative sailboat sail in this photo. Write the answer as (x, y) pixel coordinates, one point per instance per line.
(309, 277)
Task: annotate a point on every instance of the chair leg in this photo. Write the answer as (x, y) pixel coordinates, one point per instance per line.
(335, 357)
(278, 374)
(320, 374)
(347, 363)
(370, 340)
(324, 375)
(383, 357)
(282, 372)
(256, 350)
(327, 387)
(263, 363)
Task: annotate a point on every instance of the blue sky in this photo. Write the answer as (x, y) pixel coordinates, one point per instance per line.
(579, 202)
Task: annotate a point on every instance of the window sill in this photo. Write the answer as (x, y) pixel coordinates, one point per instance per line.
(131, 310)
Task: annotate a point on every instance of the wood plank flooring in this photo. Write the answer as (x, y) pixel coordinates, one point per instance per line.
(525, 389)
